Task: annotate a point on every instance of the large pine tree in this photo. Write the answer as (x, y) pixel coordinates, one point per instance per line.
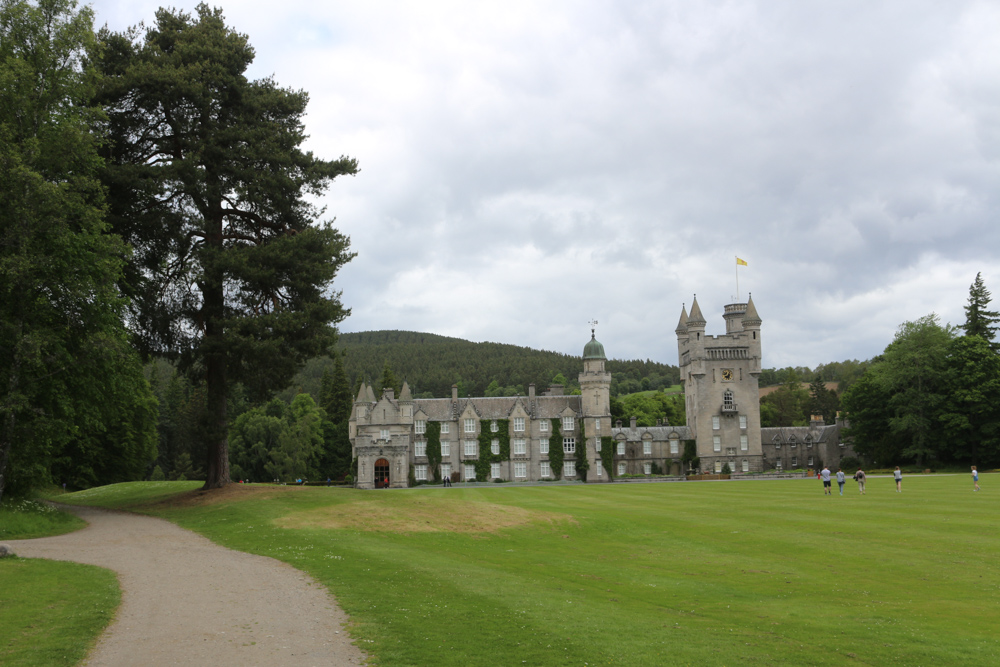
(978, 320)
(208, 182)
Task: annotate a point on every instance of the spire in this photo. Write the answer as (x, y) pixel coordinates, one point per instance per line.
(696, 318)
(751, 317)
(682, 324)
(371, 393)
(362, 393)
(404, 393)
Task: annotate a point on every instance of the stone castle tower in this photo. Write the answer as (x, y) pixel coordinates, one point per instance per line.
(721, 397)
(595, 390)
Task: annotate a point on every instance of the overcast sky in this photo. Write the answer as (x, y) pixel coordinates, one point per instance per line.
(529, 166)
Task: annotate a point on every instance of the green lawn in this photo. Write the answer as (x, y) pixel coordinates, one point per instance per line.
(51, 612)
(756, 572)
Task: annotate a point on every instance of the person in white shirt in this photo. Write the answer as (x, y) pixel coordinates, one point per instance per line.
(841, 479)
(825, 476)
(898, 475)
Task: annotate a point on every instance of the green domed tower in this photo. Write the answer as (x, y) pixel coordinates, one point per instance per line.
(595, 387)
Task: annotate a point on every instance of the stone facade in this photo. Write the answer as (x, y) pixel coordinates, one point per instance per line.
(722, 406)
(721, 394)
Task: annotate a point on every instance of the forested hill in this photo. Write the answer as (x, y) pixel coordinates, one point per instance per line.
(432, 363)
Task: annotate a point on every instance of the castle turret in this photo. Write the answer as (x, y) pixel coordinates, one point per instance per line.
(751, 324)
(595, 389)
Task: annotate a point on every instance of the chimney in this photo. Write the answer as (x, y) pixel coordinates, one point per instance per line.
(816, 420)
(389, 393)
(454, 393)
(632, 421)
(555, 390)
(618, 423)
(531, 392)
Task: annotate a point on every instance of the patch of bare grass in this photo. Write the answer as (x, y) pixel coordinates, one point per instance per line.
(418, 515)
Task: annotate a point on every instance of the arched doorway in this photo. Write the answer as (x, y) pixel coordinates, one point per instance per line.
(381, 474)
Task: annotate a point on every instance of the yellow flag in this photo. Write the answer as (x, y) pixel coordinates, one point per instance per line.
(741, 262)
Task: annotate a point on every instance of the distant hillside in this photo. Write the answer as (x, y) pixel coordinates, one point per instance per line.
(432, 363)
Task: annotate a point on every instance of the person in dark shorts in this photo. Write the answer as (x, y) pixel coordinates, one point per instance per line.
(897, 474)
(827, 485)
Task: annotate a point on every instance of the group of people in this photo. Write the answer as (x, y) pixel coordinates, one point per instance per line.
(860, 478)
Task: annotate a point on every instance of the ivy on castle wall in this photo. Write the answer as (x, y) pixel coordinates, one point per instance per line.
(608, 455)
(433, 434)
(582, 463)
(486, 455)
(556, 455)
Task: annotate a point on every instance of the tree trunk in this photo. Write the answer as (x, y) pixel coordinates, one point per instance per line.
(214, 345)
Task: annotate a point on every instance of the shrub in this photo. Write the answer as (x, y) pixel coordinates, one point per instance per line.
(725, 469)
(158, 475)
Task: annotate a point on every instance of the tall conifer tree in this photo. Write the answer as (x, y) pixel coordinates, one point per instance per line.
(208, 183)
(978, 320)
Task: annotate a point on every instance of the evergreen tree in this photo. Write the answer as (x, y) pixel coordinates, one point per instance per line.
(978, 320)
(208, 182)
(388, 380)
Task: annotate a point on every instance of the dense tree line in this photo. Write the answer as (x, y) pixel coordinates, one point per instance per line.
(431, 364)
(930, 397)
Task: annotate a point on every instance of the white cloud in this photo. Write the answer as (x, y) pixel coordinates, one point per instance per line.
(526, 167)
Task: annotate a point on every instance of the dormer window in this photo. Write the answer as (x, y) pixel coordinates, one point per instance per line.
(493, 426)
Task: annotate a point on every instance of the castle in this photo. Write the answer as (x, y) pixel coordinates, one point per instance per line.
(521, 438)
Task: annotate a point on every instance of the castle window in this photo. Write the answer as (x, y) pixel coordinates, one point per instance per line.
(597, 444)
(493, 426)
(445, 470)
(520, 448)
(470, 473)
(715, 423)
(420, 448)
(777, 465)
(718, 467)
(727, 400)
(544, 469)
(795, 461)
(621, 469)
(744, 445)
(810, 460)
(519, 424)
(746, 466)
(495, 446)
(470, 425)
(569, 469)
(569, 423)
(599, 468)
(520, 469)
(597, 424)
(569, 445)
(621, 448)
(470, 447)
(543, 446)
(543, 425)
(384, 434)
(495, 471)
(647, 447)
(743, 421)
(445, 448)
(647, 468)
(420, 426)
(675, 446)
(716, 443)
(420, 472)
(445, 427)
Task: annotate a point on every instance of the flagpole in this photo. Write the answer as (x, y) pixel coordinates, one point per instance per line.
(737, 279)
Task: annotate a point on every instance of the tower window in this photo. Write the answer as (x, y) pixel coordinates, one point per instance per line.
(727, 400)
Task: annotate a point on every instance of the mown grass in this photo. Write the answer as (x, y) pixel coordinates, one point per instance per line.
(26, 519)
(756, 572)
(51, 612)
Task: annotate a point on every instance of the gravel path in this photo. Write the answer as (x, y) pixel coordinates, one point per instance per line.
(188, 601)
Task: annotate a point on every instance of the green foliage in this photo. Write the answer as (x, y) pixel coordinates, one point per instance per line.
(432, 363)
(970, 413)
(725, 469)
(608, 455)
(388, 380)
(787, 406)
(486, 455)
(69, 384)
(433, 449)
(651, 408)
(208, 182)
(850, 464)
(978, 320)
(274, 442)
(556, 454)
(823, 401)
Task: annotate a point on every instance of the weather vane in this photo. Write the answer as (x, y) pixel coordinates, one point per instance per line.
(593, 326)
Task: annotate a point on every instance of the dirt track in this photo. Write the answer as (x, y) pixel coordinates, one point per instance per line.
(187, 601)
